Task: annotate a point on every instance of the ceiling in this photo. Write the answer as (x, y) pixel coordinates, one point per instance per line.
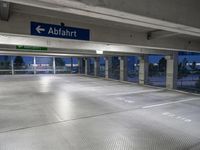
(56, 14)
(18, 8)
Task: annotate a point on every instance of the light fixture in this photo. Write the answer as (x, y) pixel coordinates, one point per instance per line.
(100, 52)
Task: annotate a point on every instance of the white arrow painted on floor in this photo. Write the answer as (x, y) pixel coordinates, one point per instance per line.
(39, 29)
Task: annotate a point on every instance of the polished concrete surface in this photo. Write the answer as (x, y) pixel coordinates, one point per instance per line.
(70, 112)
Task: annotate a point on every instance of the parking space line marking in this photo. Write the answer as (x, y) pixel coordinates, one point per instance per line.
(137, 92)
(169, 103)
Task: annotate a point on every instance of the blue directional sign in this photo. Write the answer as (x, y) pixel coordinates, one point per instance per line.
(59, 31)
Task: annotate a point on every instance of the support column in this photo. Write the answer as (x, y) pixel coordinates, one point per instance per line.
(71, 65)
(107, 66)
(86, 66)
(96, 66)
(144, 69)
(34, 65)
(12, 66)
(80, 67)
(54, 65)
(172, 71)
(123, 68)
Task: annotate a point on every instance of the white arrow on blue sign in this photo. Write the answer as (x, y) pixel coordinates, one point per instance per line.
(59, 31)
(39, 29)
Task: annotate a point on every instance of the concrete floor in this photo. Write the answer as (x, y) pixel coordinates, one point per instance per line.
(66, 112)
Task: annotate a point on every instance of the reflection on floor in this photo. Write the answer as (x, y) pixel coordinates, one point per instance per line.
(66, 112)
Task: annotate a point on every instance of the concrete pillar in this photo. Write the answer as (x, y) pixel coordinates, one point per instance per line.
(172, 71)
(54, 65)
(86, 66)
(144, 69)
(71, 65)
(96, 66)
(34, 65)
(80, 65)
(107, 66)
(12, 66)
(123, 68)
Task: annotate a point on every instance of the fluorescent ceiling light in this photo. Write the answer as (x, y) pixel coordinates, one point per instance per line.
(100, 52)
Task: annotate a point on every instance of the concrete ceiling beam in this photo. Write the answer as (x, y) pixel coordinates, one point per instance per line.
(9, 41)
(158, 34)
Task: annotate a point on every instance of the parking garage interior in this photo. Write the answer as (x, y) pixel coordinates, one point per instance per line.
(124, 80)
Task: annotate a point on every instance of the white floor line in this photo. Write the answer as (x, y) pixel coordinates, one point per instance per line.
(169, 103)
(137, 92)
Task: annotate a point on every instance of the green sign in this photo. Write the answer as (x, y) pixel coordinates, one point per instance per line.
(33, 48)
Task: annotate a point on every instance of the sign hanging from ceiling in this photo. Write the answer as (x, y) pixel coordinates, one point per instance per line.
(59, 31)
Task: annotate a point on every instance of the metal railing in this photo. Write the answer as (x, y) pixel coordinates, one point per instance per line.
(189, 84)
(157, 81)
